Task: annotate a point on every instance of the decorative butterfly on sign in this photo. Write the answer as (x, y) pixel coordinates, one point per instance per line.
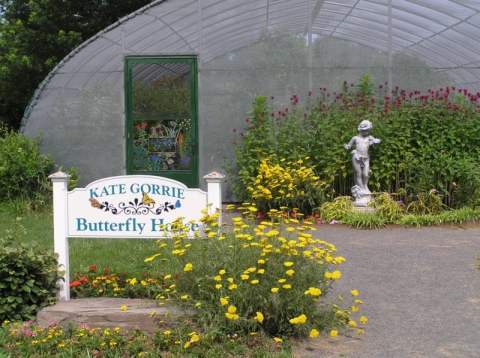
(95, 203)
(147, 200)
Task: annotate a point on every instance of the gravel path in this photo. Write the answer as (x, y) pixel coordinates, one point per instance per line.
(421, 290)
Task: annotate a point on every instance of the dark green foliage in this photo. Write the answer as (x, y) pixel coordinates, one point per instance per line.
(23, 169)
(28, 280)
(426, 203)
(36, 34)
(428, 141)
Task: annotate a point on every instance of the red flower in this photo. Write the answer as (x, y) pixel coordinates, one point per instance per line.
(75, 283)
(92, 268)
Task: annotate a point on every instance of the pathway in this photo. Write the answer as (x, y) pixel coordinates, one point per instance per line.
(421, 288)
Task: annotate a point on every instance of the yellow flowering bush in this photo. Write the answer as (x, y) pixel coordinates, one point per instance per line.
(268, 276)
(282, 183)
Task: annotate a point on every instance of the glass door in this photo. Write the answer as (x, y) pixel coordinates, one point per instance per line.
(161, 114)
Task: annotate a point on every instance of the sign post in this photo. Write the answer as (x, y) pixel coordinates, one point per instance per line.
(129, 206)
(60, 229)
(214, 197)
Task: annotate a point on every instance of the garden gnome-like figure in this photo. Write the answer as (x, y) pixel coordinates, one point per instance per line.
(361, 162)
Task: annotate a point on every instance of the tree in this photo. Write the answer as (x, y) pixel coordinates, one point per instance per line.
(36, 34)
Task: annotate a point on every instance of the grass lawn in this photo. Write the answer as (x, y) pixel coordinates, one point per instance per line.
(118, 254)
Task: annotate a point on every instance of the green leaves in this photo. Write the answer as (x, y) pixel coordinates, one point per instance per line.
(28, 280)
(426, 144)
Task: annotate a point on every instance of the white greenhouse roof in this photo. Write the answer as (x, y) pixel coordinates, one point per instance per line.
(443, 33)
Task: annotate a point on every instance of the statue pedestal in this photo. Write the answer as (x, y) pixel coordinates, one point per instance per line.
(363, 209)
(362, 197)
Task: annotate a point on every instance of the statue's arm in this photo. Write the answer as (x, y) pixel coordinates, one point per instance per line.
(349, 145)
(374, 140)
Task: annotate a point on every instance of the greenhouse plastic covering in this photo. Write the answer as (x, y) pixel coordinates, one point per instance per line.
(246, 48)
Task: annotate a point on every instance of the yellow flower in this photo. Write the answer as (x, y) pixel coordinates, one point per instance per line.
(358, 302)
(218, 278)
(244, 277)
(184, 297)
(167, 332)
(232, 316)
(132, 281)
(232, 309)
(123, 308)
(230, 279)
(259, 317)
(224, 301)
(218, 286)
(287, 286)
(166, 277)
(254, 282)
(274, 289)
(290, 272)
(194, 338)
(232, 287)
(261, 271)
(277, 340)
(335, 275)
(151, 258)
(188, 267)
(282, 280)
(222, 272)
(333, 333)
(355, 308)
(313, 291)
(352, 324)
(288, 263)
(313, 333)
(363, 320)
(299, 319)
(355, 293)
(261, 261)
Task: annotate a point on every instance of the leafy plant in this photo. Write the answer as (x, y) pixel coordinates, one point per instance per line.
(268, 277)
(28, 280)
(387, 207)
(364, 220)
(426, 203)
(336, 209)
(282, 184)
(429, 140)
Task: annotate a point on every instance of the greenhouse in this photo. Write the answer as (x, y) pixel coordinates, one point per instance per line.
(164, 90)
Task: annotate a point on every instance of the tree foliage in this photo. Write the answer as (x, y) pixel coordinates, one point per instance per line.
(36, 34)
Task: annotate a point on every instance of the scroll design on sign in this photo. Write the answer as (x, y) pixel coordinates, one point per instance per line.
(136, 206)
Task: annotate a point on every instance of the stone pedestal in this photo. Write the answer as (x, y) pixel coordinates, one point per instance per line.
(140, 314)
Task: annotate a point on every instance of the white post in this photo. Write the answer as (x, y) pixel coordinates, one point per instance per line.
(214, 193)
(60, 240)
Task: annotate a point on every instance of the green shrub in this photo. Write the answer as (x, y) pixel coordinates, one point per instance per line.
(269, 277)
(429, 141)
(387, 207)
(283, 184)
(457, 216)
(364, 220)
(23, 169)
(336, 209)
(28, 280)
(426, 203)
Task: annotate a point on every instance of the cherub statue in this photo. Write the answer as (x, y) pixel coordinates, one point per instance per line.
(361, 162)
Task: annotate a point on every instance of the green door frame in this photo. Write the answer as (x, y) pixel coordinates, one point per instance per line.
(188, 177)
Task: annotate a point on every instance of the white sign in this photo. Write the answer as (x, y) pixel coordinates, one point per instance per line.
(129, 206)
(133, 206)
